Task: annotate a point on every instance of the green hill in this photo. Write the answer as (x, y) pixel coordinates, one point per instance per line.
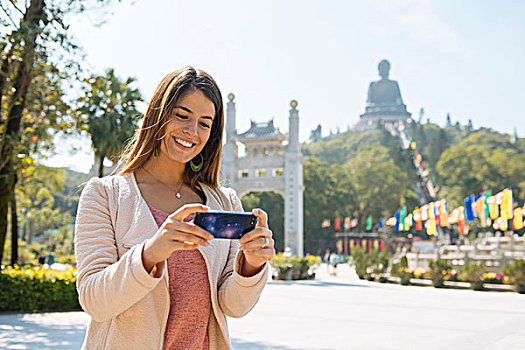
(367, 173)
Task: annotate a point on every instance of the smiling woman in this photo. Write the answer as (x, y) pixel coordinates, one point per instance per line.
(185, 114)
(134, 230)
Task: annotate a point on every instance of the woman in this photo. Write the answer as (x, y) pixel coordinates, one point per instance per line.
(150, 278)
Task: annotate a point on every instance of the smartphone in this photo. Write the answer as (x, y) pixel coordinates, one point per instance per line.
(226, 224)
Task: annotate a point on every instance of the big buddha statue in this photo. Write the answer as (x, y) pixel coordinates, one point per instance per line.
(384, 100)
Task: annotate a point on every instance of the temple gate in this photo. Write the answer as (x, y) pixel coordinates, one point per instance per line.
(268, 166)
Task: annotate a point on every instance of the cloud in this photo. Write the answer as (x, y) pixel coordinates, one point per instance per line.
(422, 23)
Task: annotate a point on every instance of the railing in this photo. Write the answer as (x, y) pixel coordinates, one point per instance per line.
(493, 252)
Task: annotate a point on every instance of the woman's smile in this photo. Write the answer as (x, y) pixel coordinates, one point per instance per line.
(183, 144)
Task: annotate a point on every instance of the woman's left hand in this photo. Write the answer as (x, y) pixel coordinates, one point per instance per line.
(257, 245)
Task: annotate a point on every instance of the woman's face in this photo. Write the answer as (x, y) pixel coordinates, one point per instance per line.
(189, 127)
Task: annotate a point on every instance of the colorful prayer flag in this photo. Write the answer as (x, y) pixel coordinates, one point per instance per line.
(339, 246)
(431, 227)
(408, 222)
(402, 217)
(417, 214)
(507, 209)
(463, 228)
(347, 223)
(493, 207)
(454, 217)
(500, 224)
(517, 223)
(369, 223)
(469, 201)
(424, 212)
(485, 221)
(476, 206)
(443, 219)
(431, 214)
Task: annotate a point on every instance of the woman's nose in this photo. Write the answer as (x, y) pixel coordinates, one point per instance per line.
(191, 128)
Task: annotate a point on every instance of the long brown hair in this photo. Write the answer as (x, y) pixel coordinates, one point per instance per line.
(147, 139)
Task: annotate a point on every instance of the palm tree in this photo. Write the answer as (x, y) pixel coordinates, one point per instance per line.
(108, 110)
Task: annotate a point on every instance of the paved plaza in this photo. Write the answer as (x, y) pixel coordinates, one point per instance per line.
(330, 313)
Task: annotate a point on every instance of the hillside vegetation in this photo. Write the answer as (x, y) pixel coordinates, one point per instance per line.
(366, 173)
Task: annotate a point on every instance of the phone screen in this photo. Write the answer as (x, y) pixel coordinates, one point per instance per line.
(224, 224)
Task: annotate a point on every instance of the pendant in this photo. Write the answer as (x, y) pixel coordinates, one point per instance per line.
(178, 195)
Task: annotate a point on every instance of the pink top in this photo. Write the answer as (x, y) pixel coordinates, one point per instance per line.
(190, 300)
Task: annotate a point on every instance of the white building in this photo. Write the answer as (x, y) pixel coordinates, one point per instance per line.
(268, 166)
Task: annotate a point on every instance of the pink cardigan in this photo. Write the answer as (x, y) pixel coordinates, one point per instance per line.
(128, 307)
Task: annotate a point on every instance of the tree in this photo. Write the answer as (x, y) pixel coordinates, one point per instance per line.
(329, 193)
(14, 230)
(37, 202)
(109, 113)
(438, 144)
(18, 49)
(273, 204)
(36, 30)
(482, 160)
(377, 181)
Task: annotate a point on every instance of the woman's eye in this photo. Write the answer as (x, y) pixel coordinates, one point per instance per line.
(205, 125)
(182, 116)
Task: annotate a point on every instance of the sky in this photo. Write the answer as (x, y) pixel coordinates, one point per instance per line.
(465, 58)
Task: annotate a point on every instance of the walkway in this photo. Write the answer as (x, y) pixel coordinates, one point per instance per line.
(331, 313)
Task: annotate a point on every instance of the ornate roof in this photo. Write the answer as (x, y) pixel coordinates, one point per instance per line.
(261, 131)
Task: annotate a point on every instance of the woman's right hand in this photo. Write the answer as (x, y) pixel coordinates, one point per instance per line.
(175, 234)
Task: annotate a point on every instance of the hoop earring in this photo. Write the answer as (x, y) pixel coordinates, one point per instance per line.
(196, 164)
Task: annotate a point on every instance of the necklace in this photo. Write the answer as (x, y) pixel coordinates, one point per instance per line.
(177, 193)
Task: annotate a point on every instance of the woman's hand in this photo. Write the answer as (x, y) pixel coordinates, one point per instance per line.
(175, 234)
(257, 245)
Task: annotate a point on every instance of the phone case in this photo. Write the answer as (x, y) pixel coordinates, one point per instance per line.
(224, 224)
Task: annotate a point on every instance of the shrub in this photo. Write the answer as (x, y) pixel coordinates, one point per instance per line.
(516, 273)
(382, 263)
(472, 272)
(33, 289)
(438, 270)
(360, 261)
(419, 273)
(401, 270)
(406, 274)
(398, 268)
(67, 259)
(295, 267)
(451, 275)
(381, 267)
(492, 277)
